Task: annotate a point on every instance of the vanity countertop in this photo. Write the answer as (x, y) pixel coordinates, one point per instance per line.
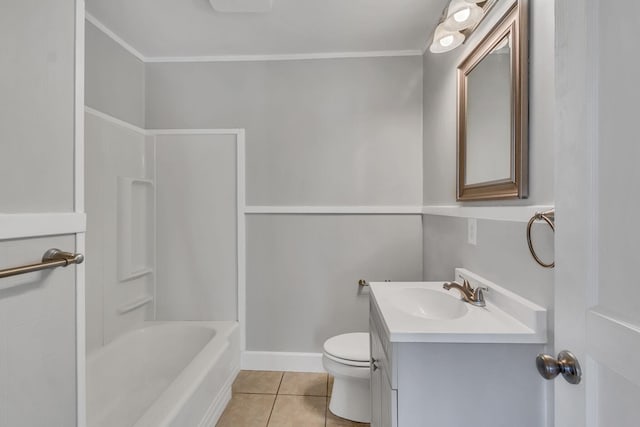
(409, 314)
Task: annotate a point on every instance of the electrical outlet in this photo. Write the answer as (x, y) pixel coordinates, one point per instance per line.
(472, 231)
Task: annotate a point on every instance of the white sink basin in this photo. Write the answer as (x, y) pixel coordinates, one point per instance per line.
(425, 312)
(428, 304)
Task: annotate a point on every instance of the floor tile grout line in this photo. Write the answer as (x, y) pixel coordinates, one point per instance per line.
(254, 392)
(326, 402)
(326, 408)
(280, 383)
(301, 395)
(274, 400)
(327, 384)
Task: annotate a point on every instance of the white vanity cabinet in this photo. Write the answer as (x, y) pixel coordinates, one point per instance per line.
(384, 399)
(446, 379)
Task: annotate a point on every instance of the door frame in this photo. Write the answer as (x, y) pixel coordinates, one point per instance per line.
(81, 351)
(576, 195)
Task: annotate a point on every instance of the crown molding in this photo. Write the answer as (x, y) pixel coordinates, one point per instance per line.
(287, 57)
(99, 25)
(247, 58)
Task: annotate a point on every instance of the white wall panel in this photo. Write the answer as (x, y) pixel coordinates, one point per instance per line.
(196, 233)
(37, 338)
(36, 106)
(319, 132)
(303, 272)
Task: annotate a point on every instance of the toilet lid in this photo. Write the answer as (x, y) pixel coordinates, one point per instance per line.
(353, 346)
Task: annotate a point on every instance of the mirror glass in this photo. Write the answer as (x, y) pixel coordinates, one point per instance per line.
(493, 113)
(489, 97)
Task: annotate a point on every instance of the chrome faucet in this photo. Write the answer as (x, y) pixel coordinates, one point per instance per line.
(470, 295)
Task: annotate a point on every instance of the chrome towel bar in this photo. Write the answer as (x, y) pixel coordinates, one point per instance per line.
(51, 259)
(363, 282)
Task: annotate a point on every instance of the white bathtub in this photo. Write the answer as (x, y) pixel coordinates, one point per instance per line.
(174, 374)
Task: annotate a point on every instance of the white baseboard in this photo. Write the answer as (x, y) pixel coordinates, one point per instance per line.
(213, 414)
(281, 361)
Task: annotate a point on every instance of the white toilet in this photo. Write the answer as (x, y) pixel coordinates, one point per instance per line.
(346, 357)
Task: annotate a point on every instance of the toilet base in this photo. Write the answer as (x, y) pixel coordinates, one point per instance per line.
(351, 399)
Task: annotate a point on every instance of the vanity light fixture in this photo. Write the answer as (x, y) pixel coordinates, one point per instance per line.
(445, 40)
(458, 21)
(462, 14)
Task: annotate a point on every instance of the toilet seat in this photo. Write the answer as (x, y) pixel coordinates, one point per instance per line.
(349, 349)
(346, 362)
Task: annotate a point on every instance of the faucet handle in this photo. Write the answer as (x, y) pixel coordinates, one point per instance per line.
(478, 294)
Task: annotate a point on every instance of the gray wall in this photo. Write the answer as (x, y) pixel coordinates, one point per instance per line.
(37, 311)
(501, 254)
(303, 272)
(323, 132)
(114, 79)
(36, 83)
(196, 227)
(319, 132)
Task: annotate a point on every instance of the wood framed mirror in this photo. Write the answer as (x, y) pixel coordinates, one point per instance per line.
(493, 113)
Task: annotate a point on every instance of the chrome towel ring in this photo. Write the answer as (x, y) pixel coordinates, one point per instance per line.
(549, 218)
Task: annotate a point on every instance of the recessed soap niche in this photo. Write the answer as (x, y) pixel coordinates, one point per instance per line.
(135, 227)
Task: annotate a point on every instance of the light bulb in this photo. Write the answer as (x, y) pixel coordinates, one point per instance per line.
(462, 15)
(446, 41)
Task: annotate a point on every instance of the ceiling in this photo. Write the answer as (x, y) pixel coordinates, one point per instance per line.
(192, 28)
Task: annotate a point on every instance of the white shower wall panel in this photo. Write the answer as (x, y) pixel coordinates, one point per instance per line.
(196, 227)
(113, 152)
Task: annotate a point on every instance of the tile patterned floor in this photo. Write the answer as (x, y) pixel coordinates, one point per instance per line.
(281, 399)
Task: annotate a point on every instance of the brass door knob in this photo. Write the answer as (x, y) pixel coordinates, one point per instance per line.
(566, 364)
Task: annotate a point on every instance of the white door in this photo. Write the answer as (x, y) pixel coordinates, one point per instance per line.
(597, 314)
